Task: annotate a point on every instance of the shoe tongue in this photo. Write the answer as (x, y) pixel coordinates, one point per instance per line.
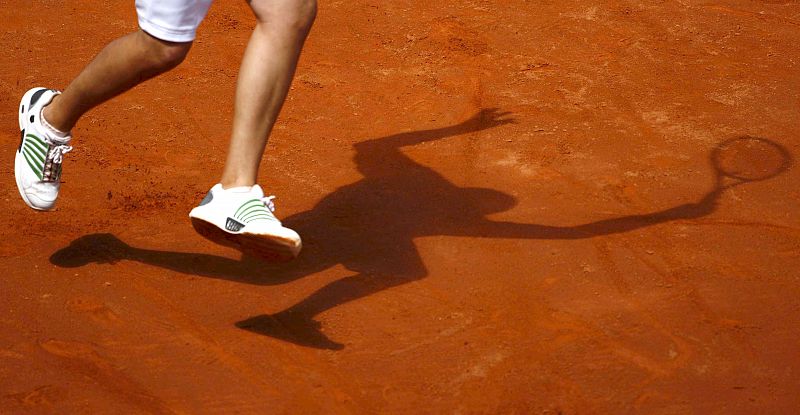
(59, 140)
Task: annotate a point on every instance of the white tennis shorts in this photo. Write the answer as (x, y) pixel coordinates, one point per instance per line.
(171, 20)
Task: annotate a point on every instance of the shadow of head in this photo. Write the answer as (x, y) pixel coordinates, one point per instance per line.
(487, 201)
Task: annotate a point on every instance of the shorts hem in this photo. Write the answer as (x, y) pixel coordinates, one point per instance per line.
(166, 33)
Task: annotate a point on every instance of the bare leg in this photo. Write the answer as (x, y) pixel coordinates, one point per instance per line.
(265, 75)
(121, 65)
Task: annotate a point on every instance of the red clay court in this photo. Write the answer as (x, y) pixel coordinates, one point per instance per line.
(509, 207)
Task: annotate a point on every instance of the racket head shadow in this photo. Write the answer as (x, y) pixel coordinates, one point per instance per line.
(750, 159)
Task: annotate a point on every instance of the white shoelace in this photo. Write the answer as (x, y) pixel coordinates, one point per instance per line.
(268, 202)
(54, 157)
(57, 152)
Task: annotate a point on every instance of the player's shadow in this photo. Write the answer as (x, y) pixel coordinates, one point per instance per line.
(369, 227)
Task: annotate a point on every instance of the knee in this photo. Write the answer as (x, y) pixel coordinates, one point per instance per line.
(172, 55)
(164, 55)
(295, 15)
(304, 14)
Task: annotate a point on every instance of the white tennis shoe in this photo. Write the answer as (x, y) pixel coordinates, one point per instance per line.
(37, 163)
(241, 217)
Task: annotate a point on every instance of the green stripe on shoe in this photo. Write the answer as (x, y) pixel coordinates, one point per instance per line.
(247, 205)
(254, 215)
(36, 140)
(35, 151)
(37, 170)
(253, 210)
(261, 216)
(34, 154)
(37, 163)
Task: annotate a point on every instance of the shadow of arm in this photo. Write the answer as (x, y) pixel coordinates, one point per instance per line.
(484, 119)
(490, 229)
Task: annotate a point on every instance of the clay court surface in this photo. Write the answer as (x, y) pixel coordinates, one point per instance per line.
(507, 207)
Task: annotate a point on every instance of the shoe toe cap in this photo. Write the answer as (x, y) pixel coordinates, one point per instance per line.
(41, 203)
(41, 196)
(289, 237)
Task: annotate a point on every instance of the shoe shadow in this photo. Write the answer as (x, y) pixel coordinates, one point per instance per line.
(369, 227)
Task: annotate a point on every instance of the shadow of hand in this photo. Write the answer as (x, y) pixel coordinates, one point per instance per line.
(490, 117)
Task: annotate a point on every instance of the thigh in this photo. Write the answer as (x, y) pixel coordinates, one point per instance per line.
(172, 20)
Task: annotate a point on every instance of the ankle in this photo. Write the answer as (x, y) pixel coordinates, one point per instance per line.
(58, 133)
(236, 183)
(51, 119)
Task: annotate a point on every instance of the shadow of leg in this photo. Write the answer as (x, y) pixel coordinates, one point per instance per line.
(291, 327)
(106, 248)
(297, 325)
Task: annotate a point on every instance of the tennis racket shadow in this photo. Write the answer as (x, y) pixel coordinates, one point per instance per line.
(735, 162)
(367, 226)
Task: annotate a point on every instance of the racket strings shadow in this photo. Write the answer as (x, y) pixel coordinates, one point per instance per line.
(369, 227)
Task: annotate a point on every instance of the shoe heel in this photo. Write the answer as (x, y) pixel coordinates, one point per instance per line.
(23, 110)
(23, 107)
